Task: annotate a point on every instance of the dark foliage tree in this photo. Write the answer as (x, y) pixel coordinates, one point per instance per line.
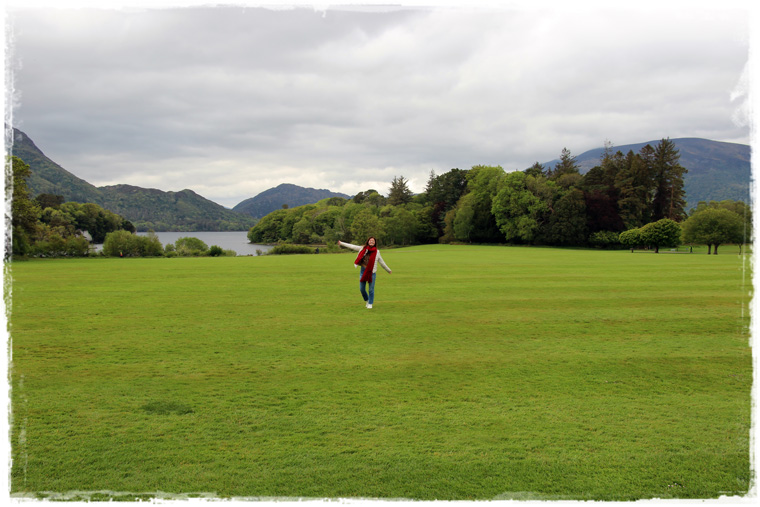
(567, 222)
(535, 170)
(49, 201)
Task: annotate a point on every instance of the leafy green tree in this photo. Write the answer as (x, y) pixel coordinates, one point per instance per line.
(92, 218)
(713, 227)
(448, 229)
(366, 224)
(463, 223)
(267, 230)
(324, 219)
(483, 183)
(401, 227)
(738, 207)
(302, 231)
(24, 211)
(662, 233)
(371, 197)
(518, 211)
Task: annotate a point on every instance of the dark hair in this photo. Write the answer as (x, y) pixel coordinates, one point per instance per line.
(367, 242)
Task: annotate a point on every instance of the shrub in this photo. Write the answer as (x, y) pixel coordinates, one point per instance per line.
(123, 243)
(285, 249)
(605, 239)
(190, 247)
(57, 246)
(215, 251)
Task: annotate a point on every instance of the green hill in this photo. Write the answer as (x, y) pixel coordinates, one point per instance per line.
(284, 194)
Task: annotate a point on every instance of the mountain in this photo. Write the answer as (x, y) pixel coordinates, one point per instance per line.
(717, 170)
(50, 178)
(146, 208)
(284, 194)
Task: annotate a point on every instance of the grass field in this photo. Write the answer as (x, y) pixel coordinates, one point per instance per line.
(480, 373)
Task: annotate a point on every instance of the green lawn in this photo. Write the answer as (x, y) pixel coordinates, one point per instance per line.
(481, 373)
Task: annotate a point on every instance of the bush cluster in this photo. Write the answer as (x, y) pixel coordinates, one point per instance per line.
(126, 244)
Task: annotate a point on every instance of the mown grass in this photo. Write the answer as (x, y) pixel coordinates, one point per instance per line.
(480, 373)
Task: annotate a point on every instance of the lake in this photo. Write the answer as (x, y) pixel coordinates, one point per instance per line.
(228, 240)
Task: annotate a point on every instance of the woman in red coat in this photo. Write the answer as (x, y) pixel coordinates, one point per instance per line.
(369, 257)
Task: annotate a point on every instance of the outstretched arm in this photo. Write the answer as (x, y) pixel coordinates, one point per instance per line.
(356, 248)
(382, 263)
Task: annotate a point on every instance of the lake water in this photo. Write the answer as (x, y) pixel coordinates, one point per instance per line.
(228, 240)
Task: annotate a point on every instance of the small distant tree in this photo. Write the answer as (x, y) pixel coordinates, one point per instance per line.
(631, 238)
(662, 233)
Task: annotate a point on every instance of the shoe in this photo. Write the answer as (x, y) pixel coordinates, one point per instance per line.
(369, 305)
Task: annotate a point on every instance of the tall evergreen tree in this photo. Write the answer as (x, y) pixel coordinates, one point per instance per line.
(566, 165)
(669, 198)
(399, 192)
(536, 170)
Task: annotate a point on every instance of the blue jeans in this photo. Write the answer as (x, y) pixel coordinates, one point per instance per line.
(369, 298)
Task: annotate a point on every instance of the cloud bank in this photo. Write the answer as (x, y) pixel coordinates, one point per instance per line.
(230, 101)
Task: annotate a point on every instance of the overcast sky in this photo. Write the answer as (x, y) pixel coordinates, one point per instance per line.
(231, 101)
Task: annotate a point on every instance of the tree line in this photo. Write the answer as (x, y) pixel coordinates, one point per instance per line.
(554, 206)
(47, 226)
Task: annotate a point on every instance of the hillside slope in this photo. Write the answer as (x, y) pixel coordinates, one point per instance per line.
(146, 208)
(284, 194)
